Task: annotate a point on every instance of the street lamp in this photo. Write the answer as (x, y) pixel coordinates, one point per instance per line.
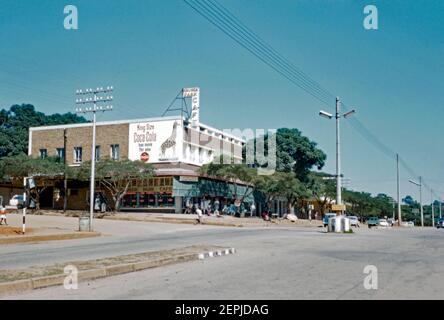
(419, 184)
(325, 114)
(338, 116)
(91, 96)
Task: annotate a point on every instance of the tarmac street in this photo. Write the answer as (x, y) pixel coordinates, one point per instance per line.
(269, 263)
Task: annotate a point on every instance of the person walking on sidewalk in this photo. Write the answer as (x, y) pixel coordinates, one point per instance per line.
(252, 210)
(3, 215)
(199, 215)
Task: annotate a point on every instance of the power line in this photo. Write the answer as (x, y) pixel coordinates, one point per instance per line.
(269, 48)
(235, 29)
(256, 49)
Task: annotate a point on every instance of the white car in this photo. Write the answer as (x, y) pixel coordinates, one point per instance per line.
(384, 223)
(354, 222)
(16, 201)
(408, 224)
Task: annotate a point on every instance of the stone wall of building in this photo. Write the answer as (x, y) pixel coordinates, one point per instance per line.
(107, 135)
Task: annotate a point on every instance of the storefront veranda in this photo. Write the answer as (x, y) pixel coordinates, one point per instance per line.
(174, 194)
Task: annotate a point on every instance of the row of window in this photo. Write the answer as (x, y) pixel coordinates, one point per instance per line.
(78, 153)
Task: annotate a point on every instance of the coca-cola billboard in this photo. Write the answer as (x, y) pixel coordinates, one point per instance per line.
(156, 141)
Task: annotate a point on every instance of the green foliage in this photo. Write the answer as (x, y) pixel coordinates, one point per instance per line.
(295, 153)
(323, 187)
(20, 166)
(233, 173)
(365, 205)
(15, 123)
(116, 176)
(282, 184)
(15, 168)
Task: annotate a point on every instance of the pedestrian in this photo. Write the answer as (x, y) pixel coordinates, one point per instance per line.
(188, 206)
(3, 216)
(199, 215)
(252, 210)
(216, 207)
(208, 207)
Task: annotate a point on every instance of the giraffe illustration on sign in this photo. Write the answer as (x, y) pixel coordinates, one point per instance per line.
(170, 142)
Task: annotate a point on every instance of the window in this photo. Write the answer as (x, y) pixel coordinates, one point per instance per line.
(78, 153)
(43, 153)
(61, 153)
(97, 153)
(115, 152)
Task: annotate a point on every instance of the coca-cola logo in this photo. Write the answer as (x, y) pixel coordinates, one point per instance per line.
(145, 157)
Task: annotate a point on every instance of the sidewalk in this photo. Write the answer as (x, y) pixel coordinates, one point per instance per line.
(39, 230)
(53, 221)
(227, 221)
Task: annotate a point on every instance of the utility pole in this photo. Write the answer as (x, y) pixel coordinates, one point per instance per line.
(338, 155)
(25, 185)
(93, 98)
(420, 201)
(440, 212)
(433, 211)
(398, 190)
(65, 180)
(338, 116)
(420, 198)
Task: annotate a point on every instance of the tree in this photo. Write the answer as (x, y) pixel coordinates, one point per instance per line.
(15, 123)
(234, 174)
(365, 205)
(283, 184)
(323, 187)
(116, 176)
(294, 153)
(16, 168)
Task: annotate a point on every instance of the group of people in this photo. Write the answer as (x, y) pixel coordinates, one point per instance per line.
(208, 207)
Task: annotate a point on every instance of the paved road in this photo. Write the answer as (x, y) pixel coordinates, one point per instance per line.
(120, 237)
(277, 263)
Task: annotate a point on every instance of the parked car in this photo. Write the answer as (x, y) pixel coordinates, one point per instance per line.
(327, 217)
(354, 221)
(440, 223)
(391, 222)
(408, 224)
(16, 201)
(384, 223)
(373, 222)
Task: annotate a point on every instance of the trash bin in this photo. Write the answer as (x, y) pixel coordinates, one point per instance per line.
(346, 225)
(84, 224)
(339, 224)
(331, 224)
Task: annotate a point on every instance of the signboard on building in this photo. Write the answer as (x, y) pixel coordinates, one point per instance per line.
(157, 141)
(337, 207)
(188, 179)
(194, 94)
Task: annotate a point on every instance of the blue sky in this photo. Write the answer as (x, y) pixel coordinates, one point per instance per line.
(150, 49)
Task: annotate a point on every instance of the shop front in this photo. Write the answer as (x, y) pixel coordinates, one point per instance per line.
(172, 194)
(153, 193)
